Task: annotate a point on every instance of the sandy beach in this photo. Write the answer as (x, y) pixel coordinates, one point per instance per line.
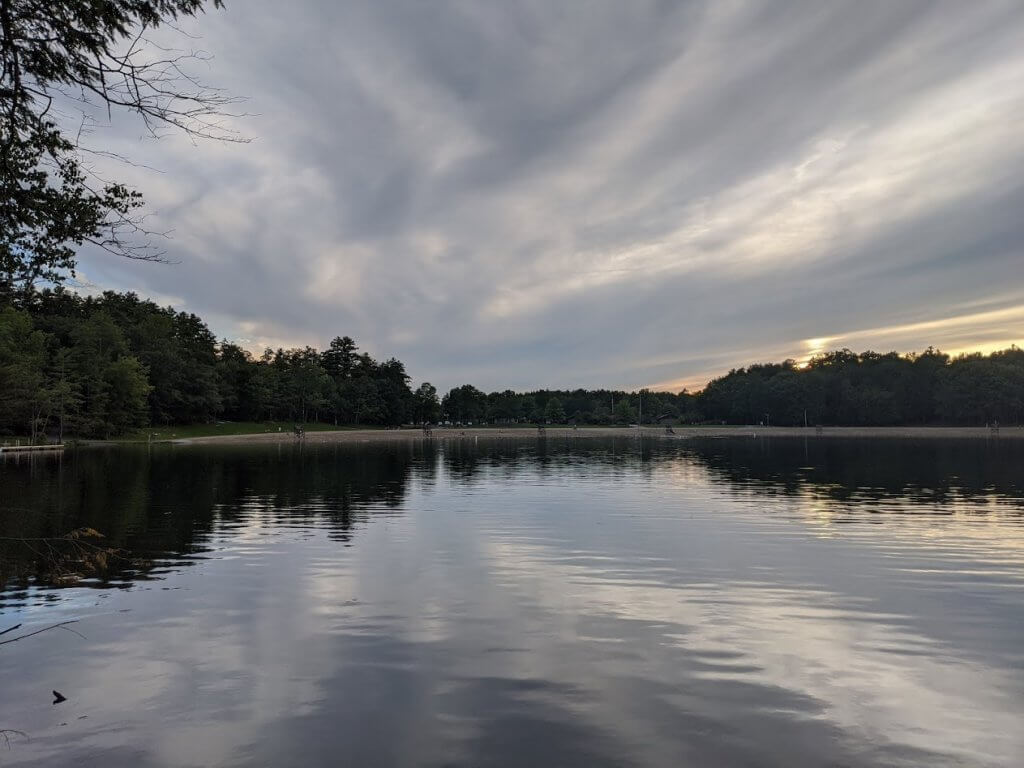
(680, 433)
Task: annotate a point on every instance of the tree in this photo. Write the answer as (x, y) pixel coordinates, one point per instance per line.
(178, 350)
(235, 374)
(264, 388)
(426, 408)
(553, 411)
(624, 412)
(464, 404)
(91, 55)
(310, 384)
(85, 363)
(339, 359)
(22, 357)
(395, 395)
(63, 390)
(125, 390)
(367, 406)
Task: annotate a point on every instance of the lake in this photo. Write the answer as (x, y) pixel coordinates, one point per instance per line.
(588, 602)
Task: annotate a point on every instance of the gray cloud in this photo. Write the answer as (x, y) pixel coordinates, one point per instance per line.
(533, 194)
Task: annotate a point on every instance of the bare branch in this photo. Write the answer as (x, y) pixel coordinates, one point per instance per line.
(58, 57)
(58, 625)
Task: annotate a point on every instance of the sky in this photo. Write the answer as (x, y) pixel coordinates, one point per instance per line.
(526, 194)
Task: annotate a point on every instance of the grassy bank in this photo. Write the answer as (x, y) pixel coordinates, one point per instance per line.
(243, 431)
(221, 429)
(233, 428)
(329, 434)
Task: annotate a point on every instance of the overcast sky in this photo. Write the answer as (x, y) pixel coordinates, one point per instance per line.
(623, 194)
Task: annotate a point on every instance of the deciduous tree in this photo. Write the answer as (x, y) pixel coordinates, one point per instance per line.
(94, 56)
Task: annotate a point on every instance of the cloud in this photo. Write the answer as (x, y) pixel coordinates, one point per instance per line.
(598, 194)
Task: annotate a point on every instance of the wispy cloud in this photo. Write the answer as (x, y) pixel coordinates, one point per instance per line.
(525, 194)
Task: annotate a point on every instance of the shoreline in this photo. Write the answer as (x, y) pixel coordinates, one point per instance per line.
(681, 433)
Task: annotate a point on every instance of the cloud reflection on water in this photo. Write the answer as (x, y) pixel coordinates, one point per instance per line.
(724, 603)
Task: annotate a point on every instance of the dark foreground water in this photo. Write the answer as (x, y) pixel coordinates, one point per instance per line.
(724, 603)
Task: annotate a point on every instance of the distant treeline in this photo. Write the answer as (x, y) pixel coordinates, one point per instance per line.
(845, 388)
(837, 388)
(467, 404)
(102, 366)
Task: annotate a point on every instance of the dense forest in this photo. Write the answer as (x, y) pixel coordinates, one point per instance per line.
(836, 388)
(845, 388)
(103, 366)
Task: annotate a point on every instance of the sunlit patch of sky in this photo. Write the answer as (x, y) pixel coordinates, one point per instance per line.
(599, 194)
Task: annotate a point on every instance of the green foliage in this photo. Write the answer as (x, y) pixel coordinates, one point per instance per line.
(69, 375)
(872, 389)
(839, 388)
(103, 366)
(221, 428)
(125, 388)
(22, 364)
(107, 365)
(426, 408)
(61, 55)
(624, 412)
(554, 413)
(465, 405)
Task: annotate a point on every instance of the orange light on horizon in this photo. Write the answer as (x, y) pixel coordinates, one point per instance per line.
(812, 348)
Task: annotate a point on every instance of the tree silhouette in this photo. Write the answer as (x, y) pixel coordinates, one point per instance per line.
(92, 56)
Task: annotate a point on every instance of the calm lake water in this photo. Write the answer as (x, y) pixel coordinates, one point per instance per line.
(735, 602)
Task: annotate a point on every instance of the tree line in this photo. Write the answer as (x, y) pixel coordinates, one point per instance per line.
(873, 389)
(100, 366)
(840, 388)
(467, 404)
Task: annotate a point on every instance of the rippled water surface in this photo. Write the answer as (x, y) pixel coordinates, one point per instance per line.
(736, 602)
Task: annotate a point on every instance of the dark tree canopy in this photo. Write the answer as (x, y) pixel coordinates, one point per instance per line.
(91, 56)
(101, 366)
(873, 389)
